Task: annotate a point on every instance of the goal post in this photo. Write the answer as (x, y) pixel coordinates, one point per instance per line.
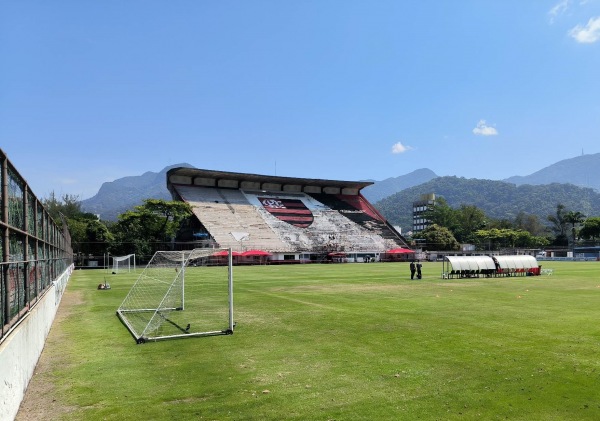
(123, 263)
(181, 294)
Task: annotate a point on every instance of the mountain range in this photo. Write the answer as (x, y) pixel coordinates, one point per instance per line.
(583, 171)
(116, 197)
(498, 199)
(389, 186)
(394, 196)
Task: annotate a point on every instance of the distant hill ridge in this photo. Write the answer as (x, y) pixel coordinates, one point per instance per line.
(389, 186)
(583, 171)
(123, 194)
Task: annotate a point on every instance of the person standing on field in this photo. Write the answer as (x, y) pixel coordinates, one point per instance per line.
(418, 269)
(412, 269)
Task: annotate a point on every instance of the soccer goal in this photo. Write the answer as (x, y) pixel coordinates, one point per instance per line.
(181, 294)
(123, 263)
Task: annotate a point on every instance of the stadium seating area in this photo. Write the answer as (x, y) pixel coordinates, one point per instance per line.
(223, 211)
(359, 210)
(289, 222)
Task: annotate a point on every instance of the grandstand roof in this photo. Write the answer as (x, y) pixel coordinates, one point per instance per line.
(195, 176)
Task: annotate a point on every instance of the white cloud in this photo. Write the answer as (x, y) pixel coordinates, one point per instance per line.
(587, 34)
(558, 9)
(400, 148)
(483, 129)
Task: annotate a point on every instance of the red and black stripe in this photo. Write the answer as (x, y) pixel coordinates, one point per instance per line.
(292, 211)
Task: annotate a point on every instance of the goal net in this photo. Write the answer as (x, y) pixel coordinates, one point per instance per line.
(123, 263)
(181, 294)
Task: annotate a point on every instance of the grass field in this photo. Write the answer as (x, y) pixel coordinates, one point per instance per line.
(341, 342)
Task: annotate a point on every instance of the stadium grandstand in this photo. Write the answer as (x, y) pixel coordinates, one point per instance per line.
(292, 219)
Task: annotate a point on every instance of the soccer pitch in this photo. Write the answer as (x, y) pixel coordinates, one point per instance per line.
(337, 342)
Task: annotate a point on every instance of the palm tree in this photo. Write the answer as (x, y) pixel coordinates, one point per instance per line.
(558, 221)
(574, 218)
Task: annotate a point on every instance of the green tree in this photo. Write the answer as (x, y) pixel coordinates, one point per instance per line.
(590, 228)
(500, 224)
(559, 225)
(530, 223)
(469, 219)
(495, 238)
(436, 237)
(89, 235)
(524, 239)
(149, 227)
(442, 214)
(68, 205)
(574, 218)
(98, 237)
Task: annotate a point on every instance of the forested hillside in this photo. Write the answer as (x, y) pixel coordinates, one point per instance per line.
(497, 199)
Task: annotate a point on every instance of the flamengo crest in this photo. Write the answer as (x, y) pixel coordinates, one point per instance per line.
(292, 211)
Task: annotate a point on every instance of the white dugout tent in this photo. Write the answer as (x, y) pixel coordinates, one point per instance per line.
(476, 266)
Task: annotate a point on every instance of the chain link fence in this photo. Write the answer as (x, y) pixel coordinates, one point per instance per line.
(35, 249)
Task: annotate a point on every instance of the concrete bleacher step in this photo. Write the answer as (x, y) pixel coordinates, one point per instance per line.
(225, 211)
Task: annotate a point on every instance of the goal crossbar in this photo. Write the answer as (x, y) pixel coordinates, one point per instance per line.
(123, 263)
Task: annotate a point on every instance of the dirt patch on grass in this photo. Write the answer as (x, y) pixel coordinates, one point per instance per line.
(42, 399)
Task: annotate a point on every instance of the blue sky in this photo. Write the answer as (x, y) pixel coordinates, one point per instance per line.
(91, 91)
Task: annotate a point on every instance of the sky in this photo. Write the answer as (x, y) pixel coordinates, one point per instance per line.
(92, 91)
